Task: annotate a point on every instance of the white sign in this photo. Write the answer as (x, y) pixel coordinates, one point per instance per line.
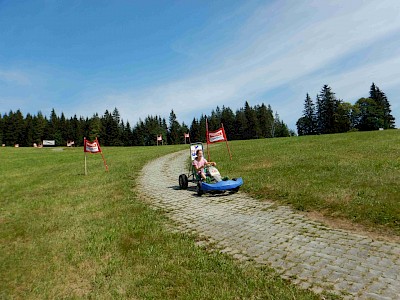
(194, 148)
(49, 143)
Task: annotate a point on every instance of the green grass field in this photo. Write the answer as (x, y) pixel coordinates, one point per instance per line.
(351, 176)
(66, 235)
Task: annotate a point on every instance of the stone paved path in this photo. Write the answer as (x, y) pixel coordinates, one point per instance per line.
(310, 254)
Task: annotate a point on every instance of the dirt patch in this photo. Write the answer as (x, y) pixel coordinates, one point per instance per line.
(377, 233)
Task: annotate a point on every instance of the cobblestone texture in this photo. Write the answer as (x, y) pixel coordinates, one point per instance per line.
(310, 254)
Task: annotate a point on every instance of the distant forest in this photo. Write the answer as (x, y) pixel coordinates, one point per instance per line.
(327, 115)
(332, 115)
(246, 123)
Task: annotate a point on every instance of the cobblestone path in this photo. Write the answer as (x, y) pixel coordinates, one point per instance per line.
(310, 254)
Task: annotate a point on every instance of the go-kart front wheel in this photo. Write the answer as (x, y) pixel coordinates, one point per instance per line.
(199, 190)
(183, 181)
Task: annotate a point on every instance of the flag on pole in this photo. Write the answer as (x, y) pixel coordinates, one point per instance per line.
(216, 136)
(186, 136)
(159, 138)
(92, 147)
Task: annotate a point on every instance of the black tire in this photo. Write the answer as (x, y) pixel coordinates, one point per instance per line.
(199, 190)
(234, 190)
(183, 181)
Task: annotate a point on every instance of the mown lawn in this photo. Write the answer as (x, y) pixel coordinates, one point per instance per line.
(66, 235)
(354, 176)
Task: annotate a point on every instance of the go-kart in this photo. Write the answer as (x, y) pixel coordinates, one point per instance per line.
(214, 183)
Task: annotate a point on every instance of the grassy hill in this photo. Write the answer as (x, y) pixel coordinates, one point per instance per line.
(66, 235)
(354, 176)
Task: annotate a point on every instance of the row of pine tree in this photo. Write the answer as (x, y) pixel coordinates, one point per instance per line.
(328, 115)
(246, 123)
(332, 115)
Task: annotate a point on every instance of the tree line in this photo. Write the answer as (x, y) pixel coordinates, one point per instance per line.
(245, 123)
(332, 115)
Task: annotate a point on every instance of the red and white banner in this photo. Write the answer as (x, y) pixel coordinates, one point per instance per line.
(216, 136)
(92, 147)
(186, 135)
(159, 138)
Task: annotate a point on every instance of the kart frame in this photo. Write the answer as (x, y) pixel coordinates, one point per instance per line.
(232, 185)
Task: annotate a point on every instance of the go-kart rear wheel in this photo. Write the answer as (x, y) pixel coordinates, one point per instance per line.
(183, 181)
(199, 190)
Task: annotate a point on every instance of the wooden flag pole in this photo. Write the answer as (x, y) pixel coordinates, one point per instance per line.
(208, 150)
(102, 155)
(85, 165)
(104, 160)
(84, 150)
(226, 140)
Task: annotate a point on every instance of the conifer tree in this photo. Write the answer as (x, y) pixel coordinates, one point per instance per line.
(202, 128)
(77, 130)
(40, 124)
(138, 133)
(319, 115)
(214, 121)
(174, 127)
(240, 124)
(95, 128)
(164, 128)
(328, 105)
(265, 120)
(369, 115)
(53, 127)
(382, 102)
(228, 120)
(301, 125)
(252, 128)
(310, 116)
(194, 131)
(28, 134)
(128, 135)
(63, 130)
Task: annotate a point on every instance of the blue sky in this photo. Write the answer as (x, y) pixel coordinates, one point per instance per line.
(148, 57)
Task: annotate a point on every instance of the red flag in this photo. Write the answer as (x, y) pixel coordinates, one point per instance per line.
(216, 136)
(92, 147)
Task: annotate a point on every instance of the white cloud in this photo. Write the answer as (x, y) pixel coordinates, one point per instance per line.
(14, 77)
(280, 44)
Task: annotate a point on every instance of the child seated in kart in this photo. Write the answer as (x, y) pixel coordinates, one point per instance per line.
(200, 162)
